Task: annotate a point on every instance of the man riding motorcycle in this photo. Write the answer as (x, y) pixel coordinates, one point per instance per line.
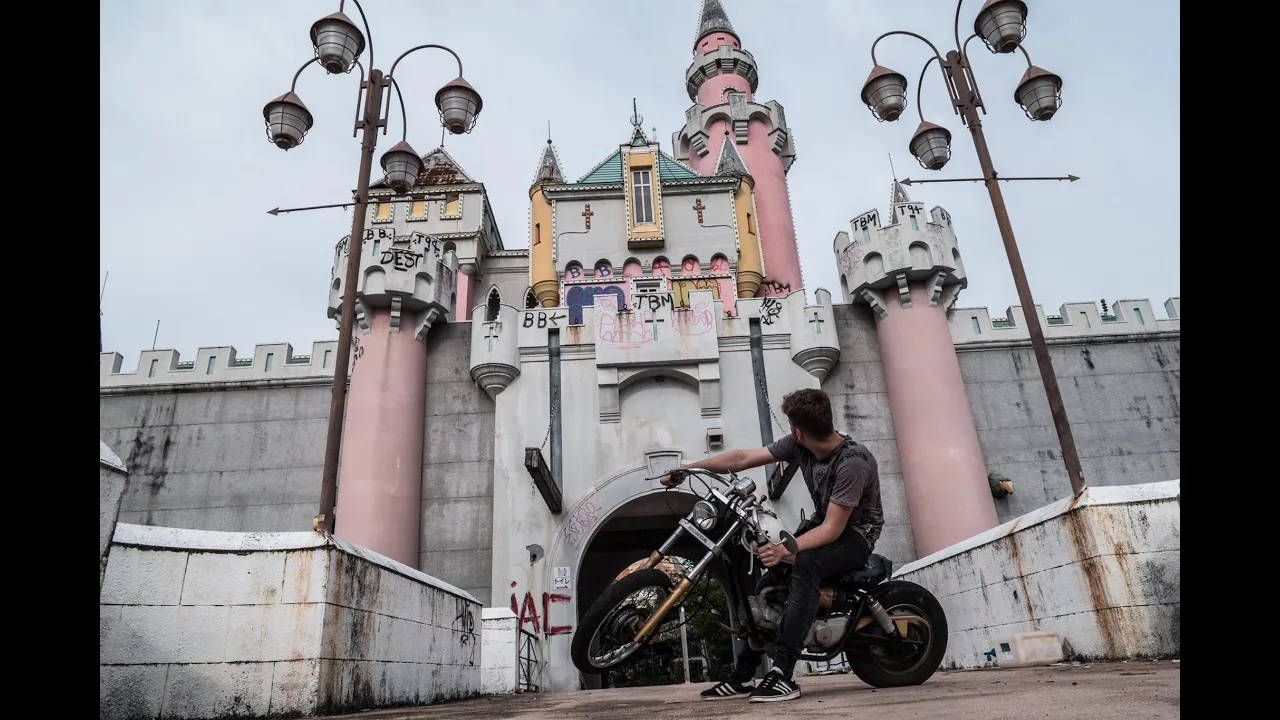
(844, 483)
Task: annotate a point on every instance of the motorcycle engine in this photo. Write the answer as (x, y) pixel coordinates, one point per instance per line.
(765, 611)
(825, 633)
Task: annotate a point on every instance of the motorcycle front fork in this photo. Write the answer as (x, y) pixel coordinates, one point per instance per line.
(714, 548)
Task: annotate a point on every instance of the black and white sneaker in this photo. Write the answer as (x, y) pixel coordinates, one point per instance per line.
(775, 688)
(727, 690)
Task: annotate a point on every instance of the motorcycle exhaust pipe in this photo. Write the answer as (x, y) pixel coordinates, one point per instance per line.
(881, 616)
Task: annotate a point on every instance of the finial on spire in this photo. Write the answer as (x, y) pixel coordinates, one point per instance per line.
(712, 19)
(636, 118)
(548, 132)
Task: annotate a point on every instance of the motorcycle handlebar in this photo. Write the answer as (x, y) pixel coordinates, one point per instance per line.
(692, 471)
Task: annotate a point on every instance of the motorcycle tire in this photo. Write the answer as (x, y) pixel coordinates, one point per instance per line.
(616, 593)
(893, 594)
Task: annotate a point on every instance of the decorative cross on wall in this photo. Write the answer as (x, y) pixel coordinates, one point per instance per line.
(653, 324)
(587, 214)
(699, 207)
(492, 335)
(816, 322)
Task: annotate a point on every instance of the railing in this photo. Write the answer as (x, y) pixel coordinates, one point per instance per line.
(530, 667)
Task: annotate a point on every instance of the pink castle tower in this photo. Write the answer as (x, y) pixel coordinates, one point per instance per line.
(722, 82)
(414, 267)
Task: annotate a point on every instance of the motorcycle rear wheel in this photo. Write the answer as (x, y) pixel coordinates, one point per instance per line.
(884, 668)
(603, 638)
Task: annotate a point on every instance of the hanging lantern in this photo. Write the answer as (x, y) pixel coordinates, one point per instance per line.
(288, 121)
(402, 166)
(885, 92)
(337, 41)
(931, 145)
(1002, 24)
(459, 106)
(1039, 93)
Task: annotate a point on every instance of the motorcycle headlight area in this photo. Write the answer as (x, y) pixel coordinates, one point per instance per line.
(705, 515)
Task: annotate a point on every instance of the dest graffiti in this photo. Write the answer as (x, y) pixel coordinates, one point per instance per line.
(527, 612)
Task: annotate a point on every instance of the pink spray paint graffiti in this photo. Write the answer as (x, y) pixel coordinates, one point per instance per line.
(580, 523)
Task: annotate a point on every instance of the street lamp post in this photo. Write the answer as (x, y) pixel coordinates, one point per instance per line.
(1001, 25)
(338, 44)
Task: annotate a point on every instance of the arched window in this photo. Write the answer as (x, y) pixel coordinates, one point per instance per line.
(491, 307)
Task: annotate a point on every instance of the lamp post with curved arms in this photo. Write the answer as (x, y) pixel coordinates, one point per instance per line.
(1001, 25)
(338, 45)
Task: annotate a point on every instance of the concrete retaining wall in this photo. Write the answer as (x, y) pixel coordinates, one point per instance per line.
(200, 624)
(1102, 569)
(112, 479)
(500, 668)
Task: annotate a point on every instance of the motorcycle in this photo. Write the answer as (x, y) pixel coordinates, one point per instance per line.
(892, 633)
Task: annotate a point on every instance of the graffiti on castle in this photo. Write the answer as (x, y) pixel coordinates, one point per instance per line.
(681, 287)
(527, 612)
(464, 623)
(651, 301)
(694, 321)
(542, 319)
(580, 523)
(770, 311)
(357, 351)
(626, 330)
(774, 288)
(578, 297)
(400, 259)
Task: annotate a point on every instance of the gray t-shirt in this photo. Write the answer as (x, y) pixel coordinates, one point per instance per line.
(848, 476)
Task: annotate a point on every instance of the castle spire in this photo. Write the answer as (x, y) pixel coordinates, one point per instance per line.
(713, 19)
(730, 162)
(548, 166)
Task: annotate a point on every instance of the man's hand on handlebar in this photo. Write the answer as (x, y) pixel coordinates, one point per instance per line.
(673, 478)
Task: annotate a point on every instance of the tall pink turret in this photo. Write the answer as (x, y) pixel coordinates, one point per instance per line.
(722, 81)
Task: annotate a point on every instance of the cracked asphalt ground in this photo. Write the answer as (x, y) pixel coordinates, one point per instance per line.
(1137, 689)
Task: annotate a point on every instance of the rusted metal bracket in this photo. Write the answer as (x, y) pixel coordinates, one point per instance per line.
(542, 478)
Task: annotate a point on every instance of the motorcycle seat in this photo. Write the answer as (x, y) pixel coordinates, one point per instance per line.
(877, 570)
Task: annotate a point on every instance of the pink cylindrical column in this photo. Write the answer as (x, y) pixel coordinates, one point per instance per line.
(773, 202)
(380, 485)
(948, 495)
(462, 301)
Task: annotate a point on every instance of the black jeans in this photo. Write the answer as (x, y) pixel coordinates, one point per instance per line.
(847, 552)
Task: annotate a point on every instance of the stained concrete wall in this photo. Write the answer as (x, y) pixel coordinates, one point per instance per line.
(201, 624)
(1122, 395)
(1103, 570)
(248, 456)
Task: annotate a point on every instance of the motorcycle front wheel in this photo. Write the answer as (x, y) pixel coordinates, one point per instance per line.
(603, 640)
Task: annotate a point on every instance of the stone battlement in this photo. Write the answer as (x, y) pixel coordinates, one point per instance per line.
(975, 325)
(274, 361)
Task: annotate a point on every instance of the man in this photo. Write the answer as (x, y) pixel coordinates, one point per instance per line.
(842, 479)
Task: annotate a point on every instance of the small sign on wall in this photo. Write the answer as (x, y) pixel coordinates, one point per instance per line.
(561, 578)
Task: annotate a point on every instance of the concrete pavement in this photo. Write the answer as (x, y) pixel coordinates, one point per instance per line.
(1138, 689)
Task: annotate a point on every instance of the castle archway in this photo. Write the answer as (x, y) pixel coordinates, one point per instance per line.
(621, 522)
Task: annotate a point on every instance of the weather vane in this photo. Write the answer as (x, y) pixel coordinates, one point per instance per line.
(636, 118)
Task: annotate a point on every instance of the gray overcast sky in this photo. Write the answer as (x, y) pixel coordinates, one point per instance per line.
(187, 174)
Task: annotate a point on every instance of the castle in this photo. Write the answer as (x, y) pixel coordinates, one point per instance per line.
(658, 315)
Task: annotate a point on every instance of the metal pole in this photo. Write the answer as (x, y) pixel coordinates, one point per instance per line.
(1067, 443)
(684, 646)
(338, 401)
(156, 336)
